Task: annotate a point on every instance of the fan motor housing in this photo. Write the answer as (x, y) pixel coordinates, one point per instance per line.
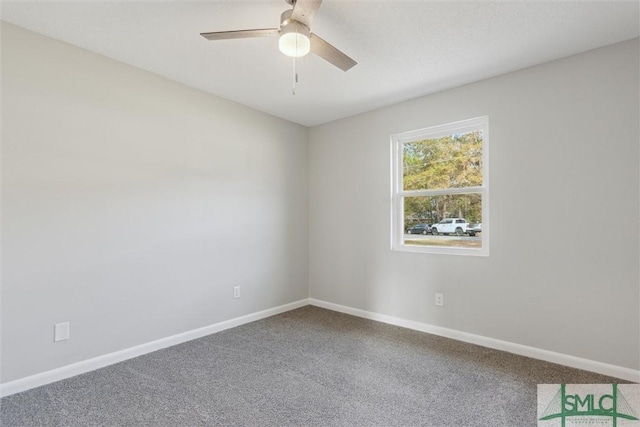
(285, 18)
(288, 25)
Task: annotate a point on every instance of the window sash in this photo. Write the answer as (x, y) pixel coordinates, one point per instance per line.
(461, 190)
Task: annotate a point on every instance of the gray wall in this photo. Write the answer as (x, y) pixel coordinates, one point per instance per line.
(132, 205)
(563, 274)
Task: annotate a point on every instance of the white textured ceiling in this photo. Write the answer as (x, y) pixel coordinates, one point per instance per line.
(404, 49)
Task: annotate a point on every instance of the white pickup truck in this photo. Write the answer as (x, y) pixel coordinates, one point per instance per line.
(450, 226)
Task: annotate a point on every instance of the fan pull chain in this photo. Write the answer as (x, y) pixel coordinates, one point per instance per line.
(295, 76)
(295, 73)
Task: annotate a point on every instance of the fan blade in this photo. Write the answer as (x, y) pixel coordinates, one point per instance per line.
(330, 54)
(305, 10)
(241, 34)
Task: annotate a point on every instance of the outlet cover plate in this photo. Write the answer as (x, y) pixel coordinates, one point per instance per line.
(61, 331)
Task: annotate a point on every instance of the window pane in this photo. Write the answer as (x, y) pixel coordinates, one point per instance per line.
(448, 220)
(453, 161)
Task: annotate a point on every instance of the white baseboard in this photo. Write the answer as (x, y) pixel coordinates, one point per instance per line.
(522, 350)
(84, 366)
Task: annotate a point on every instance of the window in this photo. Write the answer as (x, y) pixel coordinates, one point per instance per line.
(440, 194)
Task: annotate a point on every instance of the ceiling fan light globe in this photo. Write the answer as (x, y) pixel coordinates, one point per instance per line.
(294, 44)
(294, 40)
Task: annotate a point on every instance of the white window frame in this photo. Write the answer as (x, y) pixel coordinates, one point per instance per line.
(398, 194)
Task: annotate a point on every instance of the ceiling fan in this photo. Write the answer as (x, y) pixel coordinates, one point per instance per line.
(296, 38)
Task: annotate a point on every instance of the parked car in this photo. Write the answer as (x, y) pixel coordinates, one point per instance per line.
(419, 229)
(474, 229)
(449, 226)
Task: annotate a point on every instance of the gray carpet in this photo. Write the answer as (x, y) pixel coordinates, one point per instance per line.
(307, 367)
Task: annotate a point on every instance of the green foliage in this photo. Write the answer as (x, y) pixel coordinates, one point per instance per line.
(453, 161)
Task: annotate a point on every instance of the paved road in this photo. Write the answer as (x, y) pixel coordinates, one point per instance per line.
(439, 237)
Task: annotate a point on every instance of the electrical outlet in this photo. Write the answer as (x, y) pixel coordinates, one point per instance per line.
(236, 292)
(440, 300)
(61, 331)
